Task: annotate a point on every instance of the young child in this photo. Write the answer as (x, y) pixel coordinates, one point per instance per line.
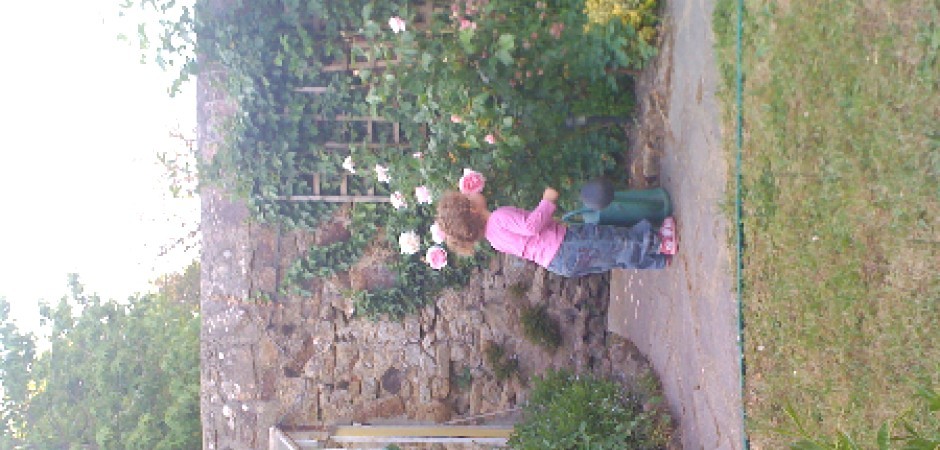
(568, 250)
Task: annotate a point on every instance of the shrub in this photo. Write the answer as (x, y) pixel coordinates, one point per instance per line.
(503, 366)
(568, 411)
(541, 328)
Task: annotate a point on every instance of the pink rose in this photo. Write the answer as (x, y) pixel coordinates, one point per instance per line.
(467, 24)
(423, 194)
(436, 257)
(490, 139)
(471, 182)
(556, 29)
(455, 118)
(437, 234)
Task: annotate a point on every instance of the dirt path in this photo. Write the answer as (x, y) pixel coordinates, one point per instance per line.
(684, 319)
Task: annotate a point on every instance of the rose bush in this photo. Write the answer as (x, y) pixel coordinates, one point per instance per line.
(494, 85)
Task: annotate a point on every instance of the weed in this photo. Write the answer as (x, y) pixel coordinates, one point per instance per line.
(540, 328)
(518, 290)
(462, 379)
(503, 366)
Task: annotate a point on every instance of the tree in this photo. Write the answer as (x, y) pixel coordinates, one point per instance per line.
(117, 375)
(17, 351)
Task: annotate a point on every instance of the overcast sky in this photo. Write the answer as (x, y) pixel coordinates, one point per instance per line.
(82, 122)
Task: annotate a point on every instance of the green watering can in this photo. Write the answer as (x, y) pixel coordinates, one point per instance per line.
(604, 206)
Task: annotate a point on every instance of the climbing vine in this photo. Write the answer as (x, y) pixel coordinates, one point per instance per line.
(528, 93)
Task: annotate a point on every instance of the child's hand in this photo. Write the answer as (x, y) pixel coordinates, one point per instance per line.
(550, 195)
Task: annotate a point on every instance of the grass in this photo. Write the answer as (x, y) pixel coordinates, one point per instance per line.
(841, 162)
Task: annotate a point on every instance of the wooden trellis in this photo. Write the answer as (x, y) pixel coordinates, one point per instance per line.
(350, 62)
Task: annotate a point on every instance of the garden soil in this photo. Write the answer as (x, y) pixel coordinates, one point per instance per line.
(684, 319)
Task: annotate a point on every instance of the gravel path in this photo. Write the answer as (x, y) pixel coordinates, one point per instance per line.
(684, 319)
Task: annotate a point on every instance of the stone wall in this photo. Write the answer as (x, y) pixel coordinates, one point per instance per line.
(308, 361)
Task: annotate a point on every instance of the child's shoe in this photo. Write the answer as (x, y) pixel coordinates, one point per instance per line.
(668, 239)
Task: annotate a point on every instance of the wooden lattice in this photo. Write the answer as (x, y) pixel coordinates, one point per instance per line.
(351, 63)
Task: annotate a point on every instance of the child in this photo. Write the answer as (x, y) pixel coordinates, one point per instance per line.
(571, 251)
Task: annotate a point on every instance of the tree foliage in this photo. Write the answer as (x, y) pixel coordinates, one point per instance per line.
(116, 375)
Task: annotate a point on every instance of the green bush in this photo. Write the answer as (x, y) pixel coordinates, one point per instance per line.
(541, 328)
(568, 411)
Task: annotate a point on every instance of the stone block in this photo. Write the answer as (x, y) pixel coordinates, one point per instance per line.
(382, 408)
(436, 411)
(369, 388)
(321, 365)
(412, 355)
(476, 397)
(291, 390)
(266, 280)
(268, 352)
(412, 329)
(424, 391)
(442, 358)
(347, 353)
(355, 389)
(440, 387)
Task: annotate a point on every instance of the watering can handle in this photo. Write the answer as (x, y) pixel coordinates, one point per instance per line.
(567, 218)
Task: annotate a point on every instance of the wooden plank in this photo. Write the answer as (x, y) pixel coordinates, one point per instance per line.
(336, 198)
(375, 64)
(322, 89)
(344, 185)
(313, 89)
(343, 145)
(316, 183)
(423, 440)
(278, 440)
(347, 118)
(424, 431)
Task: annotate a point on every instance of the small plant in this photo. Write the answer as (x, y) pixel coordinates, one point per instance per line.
(541, 328)
(503, 366)
(518, 290)
(581, 411)
(462, 379)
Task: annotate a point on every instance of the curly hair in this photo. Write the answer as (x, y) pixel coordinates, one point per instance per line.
(460, 222)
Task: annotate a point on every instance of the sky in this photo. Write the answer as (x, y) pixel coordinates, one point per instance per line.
(81, 187)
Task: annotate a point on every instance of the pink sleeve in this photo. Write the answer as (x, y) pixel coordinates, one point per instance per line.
(537, 219)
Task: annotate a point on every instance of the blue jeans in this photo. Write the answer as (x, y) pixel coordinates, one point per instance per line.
(590, 248)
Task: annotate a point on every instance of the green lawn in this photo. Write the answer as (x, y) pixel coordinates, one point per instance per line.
(841, 162)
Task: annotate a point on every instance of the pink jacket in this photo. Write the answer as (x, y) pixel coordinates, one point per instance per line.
(531, 235)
